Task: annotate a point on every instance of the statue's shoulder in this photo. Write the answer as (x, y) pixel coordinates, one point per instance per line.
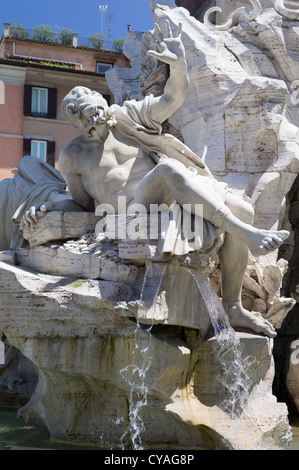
(71, 150)
(73, 146)
(68, 156)
(72, 157)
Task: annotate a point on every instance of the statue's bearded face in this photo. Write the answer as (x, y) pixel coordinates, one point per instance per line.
(89, 111)
(92, 119)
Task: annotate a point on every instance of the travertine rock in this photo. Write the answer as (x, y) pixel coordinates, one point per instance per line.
(74, 257)
(8, 257)
(18, 377)
(89, 359)
(126, 80)
(122, 265)
(262, 284)
(60, 226)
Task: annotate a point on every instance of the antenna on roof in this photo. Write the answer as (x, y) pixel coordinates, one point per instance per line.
(103, 10)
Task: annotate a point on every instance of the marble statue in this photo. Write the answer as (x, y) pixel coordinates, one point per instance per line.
(235, 16)
(288, 13)
(112, 158)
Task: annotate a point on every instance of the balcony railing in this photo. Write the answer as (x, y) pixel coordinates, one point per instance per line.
(45, 34)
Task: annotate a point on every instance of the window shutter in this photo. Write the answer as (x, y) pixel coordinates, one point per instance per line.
(107, 98)
(52, 103)
(27, 100)
(51, 153)
(26, 147)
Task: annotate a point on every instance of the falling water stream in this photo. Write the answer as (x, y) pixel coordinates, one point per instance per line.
(136, 373)
(236, 369)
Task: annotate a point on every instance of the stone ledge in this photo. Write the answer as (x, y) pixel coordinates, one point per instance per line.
(58, 259)
(60, 226)
(8, 257)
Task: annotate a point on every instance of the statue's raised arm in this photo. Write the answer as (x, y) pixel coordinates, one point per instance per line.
(171, 51)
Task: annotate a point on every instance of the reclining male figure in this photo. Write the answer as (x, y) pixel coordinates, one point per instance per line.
(112, 158)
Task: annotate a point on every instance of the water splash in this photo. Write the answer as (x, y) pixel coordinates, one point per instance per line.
(136, 373)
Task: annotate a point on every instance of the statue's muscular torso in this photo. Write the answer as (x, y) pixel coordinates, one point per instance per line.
(104, 170)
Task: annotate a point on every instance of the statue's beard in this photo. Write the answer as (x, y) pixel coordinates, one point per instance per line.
(90, 130)
(107, 118)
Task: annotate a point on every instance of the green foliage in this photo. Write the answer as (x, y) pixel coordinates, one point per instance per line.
(44, 33)
(66, 36)
(57, 64)
(96, 40)
(17, 31)
(118, 45)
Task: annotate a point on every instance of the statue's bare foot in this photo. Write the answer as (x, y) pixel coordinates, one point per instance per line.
(262, 242)
(240, 318)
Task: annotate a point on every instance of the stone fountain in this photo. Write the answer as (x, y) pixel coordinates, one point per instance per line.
(127, 339)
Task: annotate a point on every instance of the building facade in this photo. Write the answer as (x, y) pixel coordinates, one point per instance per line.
(35, 75)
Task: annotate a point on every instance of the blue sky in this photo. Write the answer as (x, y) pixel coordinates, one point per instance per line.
(82, 16)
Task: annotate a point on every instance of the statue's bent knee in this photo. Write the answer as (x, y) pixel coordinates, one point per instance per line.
(219, 215)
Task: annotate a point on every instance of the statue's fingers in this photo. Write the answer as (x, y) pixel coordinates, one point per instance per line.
(24, 223)
(154, 41)
(168, 28)
(28, 219)
(158, 31)
(33, 214)
(46, 206)
(273, 241)
(155, 54)
(31, 221)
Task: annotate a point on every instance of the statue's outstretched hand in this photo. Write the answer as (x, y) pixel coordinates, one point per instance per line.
(170, 49)
(31, 217)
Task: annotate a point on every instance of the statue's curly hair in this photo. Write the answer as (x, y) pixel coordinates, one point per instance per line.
(71, 107)
(73, 110)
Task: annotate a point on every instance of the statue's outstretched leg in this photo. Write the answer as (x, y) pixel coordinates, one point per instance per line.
(171, 177)
(226, 211)
(234, 260)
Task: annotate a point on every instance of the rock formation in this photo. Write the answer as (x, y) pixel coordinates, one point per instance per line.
(120, 353)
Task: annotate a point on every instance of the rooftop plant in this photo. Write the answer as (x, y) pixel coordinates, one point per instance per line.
(118, 45)
(96, 40)
(66, 36)
(17, 31)
(45, 33)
